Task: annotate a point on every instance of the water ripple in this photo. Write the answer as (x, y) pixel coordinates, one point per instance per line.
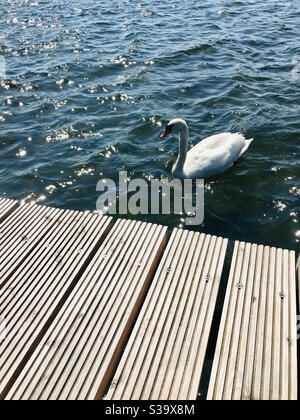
(88, 86)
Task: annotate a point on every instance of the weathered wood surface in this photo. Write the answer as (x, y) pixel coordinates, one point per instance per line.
(165, 353)
(256, 353)
(21, 232)
(7, 207)
(76, 287)
(77, 356)
(32, 295)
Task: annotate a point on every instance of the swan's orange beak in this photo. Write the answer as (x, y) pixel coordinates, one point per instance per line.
(166, 132)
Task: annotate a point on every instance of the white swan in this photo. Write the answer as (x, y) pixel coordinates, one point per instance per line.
(211, 156)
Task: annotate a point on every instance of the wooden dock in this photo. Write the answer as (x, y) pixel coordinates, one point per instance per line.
(95, 308)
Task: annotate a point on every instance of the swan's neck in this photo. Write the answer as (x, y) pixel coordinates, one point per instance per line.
(183, 149)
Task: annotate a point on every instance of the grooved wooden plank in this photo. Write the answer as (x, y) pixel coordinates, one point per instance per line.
(292, 308)
(256, 352)
(21, 232)
(7, 207)
(165, 352)
(32, 295)
(77, 356)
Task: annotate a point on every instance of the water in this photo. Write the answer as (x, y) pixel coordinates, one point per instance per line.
(89, 86)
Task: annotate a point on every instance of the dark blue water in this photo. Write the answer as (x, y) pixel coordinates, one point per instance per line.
(89, 85)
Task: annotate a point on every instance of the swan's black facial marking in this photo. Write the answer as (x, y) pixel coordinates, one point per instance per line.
(168, 130)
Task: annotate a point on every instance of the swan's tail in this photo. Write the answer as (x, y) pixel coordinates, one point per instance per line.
(248, 142)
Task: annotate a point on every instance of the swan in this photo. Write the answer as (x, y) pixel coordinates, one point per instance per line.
(211, 156)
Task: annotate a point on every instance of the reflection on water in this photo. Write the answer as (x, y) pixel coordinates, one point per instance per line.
(87, 88)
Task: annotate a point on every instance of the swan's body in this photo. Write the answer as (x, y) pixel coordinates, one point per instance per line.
(211, 156)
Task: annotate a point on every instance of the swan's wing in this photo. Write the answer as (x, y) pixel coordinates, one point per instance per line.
(220, 140)
(215, 153)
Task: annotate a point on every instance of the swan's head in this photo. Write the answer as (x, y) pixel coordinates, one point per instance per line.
(175, 126)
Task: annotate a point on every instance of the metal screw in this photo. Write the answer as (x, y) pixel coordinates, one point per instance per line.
(207, 279)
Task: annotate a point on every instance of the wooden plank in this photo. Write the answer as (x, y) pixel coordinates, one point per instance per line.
(7, 207)
(292, 308)
(31, 297)
(256, 352)
(165, 353)
(77, 356)
(21, 232)
(245, 378)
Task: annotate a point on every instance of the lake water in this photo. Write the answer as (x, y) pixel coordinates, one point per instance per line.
(86, 88)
